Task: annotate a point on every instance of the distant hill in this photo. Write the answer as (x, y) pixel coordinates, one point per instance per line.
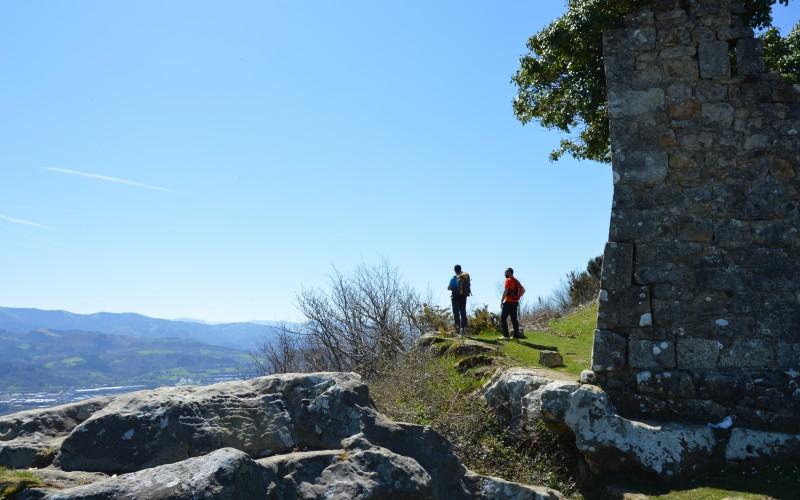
(235, 335)
(55, 360)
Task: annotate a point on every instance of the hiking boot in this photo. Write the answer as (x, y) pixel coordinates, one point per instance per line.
(504, 338)
(519, 336)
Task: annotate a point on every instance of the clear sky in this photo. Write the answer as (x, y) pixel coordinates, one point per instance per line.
(208, 159)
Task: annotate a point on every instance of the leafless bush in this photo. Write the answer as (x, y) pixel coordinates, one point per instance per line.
(366, 317)
(283, 353)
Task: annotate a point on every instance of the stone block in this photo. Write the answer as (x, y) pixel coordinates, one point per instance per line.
(609, 351)
(749, 353)
(789, 357)
(625, 308)
(698, 411)
(665, 384)
(723, 388)
(656, 272)
(617, 266)
(717, 114)
(668, 291)
(786, 93)
(694, 229)
(726, 303)
(681, 68)
(711, 91)
(634, 102)
(550, 359)
(775, 234)
(776, 280)
(684, 110)
(730, 278)
(698, 354)
(759, 257)
(779, 317)
(669, 312)
(639, 225)
(696, 140)
(748, 445)
(702, 33)
(713, 60)
(654, 354)
(731, 231)
(749, 56)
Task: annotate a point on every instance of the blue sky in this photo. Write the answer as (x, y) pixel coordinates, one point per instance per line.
(208, 159)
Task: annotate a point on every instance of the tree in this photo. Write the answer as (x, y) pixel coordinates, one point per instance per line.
(366, 318)
(561, 81)
(585, 285)
(783, 54)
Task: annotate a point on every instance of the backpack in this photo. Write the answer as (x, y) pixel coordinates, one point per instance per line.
(464, 284)
(517, 292)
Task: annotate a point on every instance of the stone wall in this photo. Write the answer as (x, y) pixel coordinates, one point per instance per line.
(699, 316)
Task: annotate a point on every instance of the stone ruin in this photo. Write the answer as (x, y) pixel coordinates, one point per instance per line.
(699, 317)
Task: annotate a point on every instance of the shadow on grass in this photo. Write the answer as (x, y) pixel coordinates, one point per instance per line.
(774, 481)
(538, 347)
(499, 341)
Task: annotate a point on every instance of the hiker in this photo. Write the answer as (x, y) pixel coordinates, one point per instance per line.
(460, 288)
(509, 304)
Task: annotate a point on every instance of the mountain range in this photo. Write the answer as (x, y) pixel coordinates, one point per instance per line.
(61, 360)
(243, 336)
(66, 353)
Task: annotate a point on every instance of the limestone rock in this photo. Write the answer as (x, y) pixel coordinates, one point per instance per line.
(224, 473)
(550, 359)
(245, 439)
(612, 443)
(748, 445)
(505, 391)
(261, 417)
(28, 438)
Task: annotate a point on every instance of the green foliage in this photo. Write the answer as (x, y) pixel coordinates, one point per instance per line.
(14, 481)
(434, 318)
(561, 80)
(783, 54)
(579, 324)
(584, 286)
(483, 321)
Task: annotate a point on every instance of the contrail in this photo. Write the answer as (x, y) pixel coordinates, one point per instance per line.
(110, 179)
(20, 221)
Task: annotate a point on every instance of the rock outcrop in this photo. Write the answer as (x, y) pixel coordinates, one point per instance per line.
(611, 443)
(284, 436)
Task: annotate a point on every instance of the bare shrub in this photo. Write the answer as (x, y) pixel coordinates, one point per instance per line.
(367, 316)
(283, 353)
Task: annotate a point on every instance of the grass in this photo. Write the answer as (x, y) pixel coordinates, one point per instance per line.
(431, 392)
(427, 390)
(14, 481)
(571, 336)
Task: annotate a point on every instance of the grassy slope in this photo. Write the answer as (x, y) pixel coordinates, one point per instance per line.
(572, 337)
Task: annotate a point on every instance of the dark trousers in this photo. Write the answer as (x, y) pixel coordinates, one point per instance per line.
(460, 312)
(510, 309)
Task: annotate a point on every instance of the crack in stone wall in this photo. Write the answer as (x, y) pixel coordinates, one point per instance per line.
(699, 314)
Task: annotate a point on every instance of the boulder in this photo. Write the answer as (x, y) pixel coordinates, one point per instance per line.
(550, 359)
(32, 438)
(279, 437)
(505, 391)
(748, 445)
(222, 474)
(608, 441)
(612, 443)
(260, 417)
